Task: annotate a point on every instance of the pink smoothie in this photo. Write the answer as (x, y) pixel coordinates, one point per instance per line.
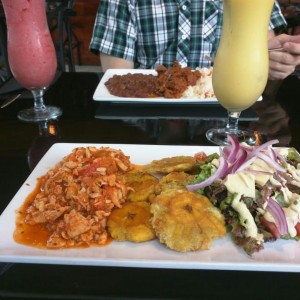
(31, 52)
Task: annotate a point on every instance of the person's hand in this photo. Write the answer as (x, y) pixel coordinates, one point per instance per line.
(283, 63)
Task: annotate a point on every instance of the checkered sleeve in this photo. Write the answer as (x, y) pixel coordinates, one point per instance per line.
(277, 18)
(114, 31)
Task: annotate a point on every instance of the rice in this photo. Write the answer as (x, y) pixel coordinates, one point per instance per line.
(203, 88)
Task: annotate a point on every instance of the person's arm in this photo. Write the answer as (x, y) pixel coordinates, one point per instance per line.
(112, 62)
(114, 34)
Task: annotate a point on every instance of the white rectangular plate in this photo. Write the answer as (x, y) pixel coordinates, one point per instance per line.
(283, 256)
(102, 94)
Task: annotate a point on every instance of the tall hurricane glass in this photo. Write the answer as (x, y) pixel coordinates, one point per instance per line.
(240, 71)
(31, 54)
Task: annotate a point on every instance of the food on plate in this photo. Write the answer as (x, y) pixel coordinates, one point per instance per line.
(182, 220)
(173, 82)
(203, 88)
(185, 221)
(96, 194)
(132, 85)
(77, 195)
(131, 223)
(173, 181)
(142, 185)
(257, 189)
(167, 165)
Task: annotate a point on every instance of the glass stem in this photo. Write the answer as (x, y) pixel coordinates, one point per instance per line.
(43, 128)
(232, 123)
(38, 96)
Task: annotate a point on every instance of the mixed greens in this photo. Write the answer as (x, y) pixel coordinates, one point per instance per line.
(257, 188)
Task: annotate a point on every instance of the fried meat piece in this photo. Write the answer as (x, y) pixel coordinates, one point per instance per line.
(142, 184)
(171, 164)
(172, 82)
(186, 221)
(131, 223)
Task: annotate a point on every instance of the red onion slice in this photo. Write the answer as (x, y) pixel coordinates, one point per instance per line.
(220, 172)
(246, 147)
(241, 158)
(281, 159)
(246, 164)
(236, 157)
(263, 147)
(278, 214)
(235, 147)
(273, 154)
(273, 164)
(225, 151)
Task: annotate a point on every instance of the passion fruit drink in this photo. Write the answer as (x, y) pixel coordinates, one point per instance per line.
(241, 64)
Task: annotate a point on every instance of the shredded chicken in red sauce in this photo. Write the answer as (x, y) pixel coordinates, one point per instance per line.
(78, 195)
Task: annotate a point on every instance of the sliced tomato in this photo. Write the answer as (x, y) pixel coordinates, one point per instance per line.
(270, 226)
(200, 157)
(90, 170)
(297, 227)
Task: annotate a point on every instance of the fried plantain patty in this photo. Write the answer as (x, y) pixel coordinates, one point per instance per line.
(173, 181)
(185, 221)
(131, 223)
(142, 184)
(171, 164)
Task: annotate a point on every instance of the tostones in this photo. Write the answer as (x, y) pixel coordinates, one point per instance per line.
(171, 164)
(131, 223)
(173, 181)
(142, 185)
(186, 221)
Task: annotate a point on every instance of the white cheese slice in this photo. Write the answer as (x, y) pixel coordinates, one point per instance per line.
(246, 218)
(260, 165)
(241, 183)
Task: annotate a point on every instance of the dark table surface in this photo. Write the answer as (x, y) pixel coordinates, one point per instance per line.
(84, 120)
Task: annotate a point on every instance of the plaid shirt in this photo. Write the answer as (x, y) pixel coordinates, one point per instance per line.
(154, 32)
